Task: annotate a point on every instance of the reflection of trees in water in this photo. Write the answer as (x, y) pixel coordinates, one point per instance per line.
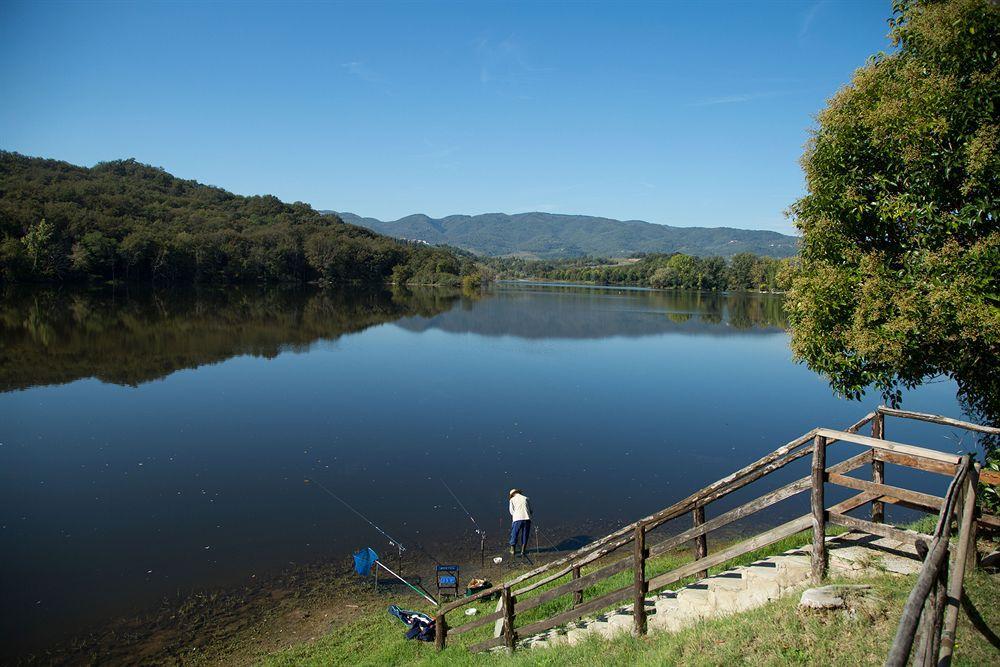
(751, 310)
(572, 312)
(133, 336)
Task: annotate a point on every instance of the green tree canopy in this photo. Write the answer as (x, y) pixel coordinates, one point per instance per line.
(123, 220)
(899, 280)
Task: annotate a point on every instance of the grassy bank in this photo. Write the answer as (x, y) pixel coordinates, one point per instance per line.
(778, 633)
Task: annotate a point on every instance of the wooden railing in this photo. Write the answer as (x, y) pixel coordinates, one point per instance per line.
(512, 593)
(925, 607)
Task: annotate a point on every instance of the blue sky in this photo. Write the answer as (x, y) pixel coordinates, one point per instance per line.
(677, 113)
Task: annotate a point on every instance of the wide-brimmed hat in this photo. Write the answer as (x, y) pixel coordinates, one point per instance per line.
(513, 492)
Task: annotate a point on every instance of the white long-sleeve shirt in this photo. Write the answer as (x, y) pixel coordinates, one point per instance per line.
(520, 508)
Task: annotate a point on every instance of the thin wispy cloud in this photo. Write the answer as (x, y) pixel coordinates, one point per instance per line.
(807, 20)
(505, 68)
(436, 152)
(740, 98)
(360, 70)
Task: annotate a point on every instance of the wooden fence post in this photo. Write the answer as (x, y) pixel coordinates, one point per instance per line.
(972, 557)
(878, 467)
(929, 628)
(700, 542)
(440, 632)
(577, 595)
(639, 604)
(818, 510)
(957, 576)
(509, 636)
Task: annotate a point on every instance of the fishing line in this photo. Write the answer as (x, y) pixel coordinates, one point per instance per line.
(547, 540)
(479, 529)
(392, 541)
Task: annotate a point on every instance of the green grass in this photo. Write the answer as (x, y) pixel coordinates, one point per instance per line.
(776, 634)
(378, 638)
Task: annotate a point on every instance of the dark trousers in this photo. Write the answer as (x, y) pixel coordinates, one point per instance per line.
(519, 531)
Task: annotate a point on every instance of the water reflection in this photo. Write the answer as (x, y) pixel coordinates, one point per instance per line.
(534, 312)
(131, 337)
(135, 336)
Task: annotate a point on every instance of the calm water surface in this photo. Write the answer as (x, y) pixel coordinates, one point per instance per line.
(152, 443)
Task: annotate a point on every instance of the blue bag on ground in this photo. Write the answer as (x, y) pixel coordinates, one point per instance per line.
(421, 625)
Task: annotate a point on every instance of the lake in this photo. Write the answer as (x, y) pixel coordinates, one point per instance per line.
(160, 442)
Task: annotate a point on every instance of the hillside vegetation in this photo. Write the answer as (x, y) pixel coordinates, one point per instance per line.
(552, 236)
(123, 220)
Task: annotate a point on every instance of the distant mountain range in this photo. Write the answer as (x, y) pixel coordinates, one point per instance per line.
(554, 236)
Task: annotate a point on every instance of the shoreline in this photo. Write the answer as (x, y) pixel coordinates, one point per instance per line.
(634, 287)
(245, 623)
(241, 624)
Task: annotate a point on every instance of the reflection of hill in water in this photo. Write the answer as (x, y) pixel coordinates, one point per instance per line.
(574, 312)
(57, 336)
(134, 336)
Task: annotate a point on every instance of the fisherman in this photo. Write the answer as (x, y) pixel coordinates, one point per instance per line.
(520, 514)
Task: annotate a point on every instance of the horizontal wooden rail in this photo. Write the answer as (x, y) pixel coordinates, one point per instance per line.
(754, 543)
(606, 600)
(947, 469)
(888, 445)
(881, 529)
(576, 584)
(477, 623)
(853, 502)
(938, 419)
(923, 500)
(756, 505)
(776, 496)
(990, 477)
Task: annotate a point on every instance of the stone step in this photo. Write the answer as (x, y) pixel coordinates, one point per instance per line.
(740, 588)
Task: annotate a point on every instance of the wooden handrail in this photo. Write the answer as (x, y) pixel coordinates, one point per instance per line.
(814, 442)
(937, 558)
(719, 489)
(754, 543)
(888, 445)
(938, 419)
(779, 458)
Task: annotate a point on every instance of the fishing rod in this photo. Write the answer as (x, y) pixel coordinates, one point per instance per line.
(425, 595)
(479, 530)
(392, 540)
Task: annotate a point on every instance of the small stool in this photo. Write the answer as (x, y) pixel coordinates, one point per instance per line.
(447, 580)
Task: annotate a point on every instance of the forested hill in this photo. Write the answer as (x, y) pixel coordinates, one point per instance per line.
(124, 220)
(552, 236)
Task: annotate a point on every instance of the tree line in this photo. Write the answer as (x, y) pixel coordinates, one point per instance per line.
(743, 272)
(127, 221)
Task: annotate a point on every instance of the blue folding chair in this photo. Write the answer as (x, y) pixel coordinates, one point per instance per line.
(447, 580)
